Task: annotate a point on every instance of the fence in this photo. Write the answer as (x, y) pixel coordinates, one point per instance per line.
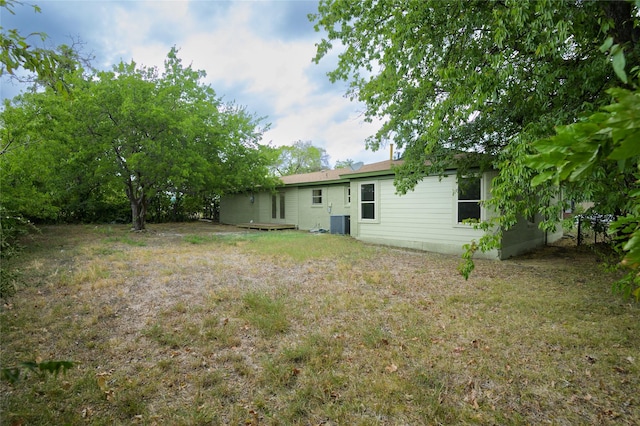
(596, 223)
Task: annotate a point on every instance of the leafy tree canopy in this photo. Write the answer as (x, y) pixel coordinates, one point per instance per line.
(136, 131)
(471, 75)
(488, 77)
(301, 157)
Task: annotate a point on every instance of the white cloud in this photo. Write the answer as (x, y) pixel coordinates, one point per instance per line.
(253, 53)
(233, 53)
(278, 73)
(331, 123)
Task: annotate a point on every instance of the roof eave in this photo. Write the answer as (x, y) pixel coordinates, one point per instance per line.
(350, 176)
(315, 183)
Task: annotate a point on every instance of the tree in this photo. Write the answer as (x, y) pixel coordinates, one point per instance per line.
(163, 135)
(48, 67)
(473, 76)
(301, 157)
(20, 195)
(604, 145)
(47, 175)
(130, 134)
(344, 163)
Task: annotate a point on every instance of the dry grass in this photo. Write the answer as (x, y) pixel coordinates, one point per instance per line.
(202, 324)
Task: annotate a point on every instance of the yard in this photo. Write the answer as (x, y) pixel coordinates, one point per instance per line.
(203, 324)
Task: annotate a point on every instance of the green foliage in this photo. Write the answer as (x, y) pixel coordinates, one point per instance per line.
(449, 76)
(577, 150)
(13, 374)
(603, 149)
(17, 52)
(301, 157)
(8, 281)
(340, 164)
(457, 77)
(126, 141)
(12, 227)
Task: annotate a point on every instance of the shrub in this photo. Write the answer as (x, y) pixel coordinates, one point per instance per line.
(12, 227)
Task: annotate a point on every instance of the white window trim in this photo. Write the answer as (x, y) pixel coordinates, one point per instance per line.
(322, 195)
(456, 222)
(376, 201)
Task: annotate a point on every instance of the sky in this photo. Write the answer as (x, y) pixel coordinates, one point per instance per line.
(256, 53)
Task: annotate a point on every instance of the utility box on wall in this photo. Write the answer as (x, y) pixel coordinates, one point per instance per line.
(341, 225)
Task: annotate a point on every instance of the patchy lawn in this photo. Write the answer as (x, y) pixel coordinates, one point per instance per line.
(202, 324)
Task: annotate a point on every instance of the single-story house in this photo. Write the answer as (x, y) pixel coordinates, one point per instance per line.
(362, 202)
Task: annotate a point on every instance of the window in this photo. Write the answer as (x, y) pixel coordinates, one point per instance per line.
(274, 207)
(368, 201)
(347, 195)
(316, 197)
(281, 206)
(469, 194)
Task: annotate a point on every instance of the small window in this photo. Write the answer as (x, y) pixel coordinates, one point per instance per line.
(316, 197)
(347, 195)
(368, 201)
(469, 194)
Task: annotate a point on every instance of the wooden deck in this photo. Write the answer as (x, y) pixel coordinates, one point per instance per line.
(266, 226)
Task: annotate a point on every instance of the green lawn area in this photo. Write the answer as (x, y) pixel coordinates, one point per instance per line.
(203, 324)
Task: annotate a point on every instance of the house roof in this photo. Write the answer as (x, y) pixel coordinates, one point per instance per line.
(342, 174)
(382, 167)
(321, 176)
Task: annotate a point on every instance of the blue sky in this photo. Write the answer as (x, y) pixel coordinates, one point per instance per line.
(255, 53)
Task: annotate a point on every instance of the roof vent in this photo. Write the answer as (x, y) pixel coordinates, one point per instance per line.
(356, 166)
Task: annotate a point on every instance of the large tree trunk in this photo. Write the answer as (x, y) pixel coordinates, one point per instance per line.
(138, 206)
(138, 213)
(623, 29)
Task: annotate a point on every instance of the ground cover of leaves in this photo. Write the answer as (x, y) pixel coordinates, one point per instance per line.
(205, 324)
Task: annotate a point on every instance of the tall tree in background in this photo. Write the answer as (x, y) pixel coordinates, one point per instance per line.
(165, 134)
(132, 131)
(301, 157)
(476, 76)
(344, 163)
(22, 195)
